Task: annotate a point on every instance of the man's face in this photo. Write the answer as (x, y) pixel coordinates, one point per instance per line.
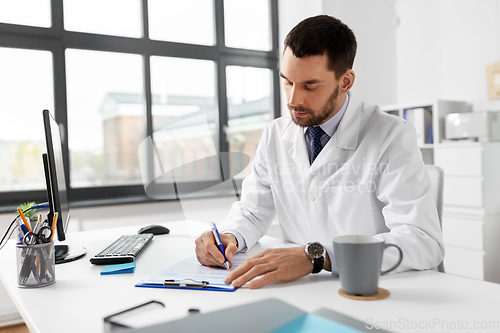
(310, 88)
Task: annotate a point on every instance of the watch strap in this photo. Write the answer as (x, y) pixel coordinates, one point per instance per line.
(318, 265)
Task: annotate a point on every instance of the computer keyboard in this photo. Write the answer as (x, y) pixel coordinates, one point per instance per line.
(123, 250)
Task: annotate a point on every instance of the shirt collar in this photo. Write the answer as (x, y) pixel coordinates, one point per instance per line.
(330, 126)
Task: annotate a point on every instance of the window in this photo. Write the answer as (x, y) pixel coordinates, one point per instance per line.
(106, 119)
(186, 21)
(26, 12)
(25, 88)
(109, 17)
(249, 111)
(182, 89)
(248, 24)
(196, 77)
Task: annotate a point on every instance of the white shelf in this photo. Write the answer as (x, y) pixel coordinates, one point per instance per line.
(394, 107)
(439, 110)
(471, 203)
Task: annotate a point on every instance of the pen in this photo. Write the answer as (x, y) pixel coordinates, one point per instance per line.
(24, 219)
(38, 225)
(219, 242)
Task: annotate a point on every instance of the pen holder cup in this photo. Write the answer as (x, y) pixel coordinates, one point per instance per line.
(36, 265)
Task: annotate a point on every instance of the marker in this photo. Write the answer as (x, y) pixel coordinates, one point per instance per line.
(24, 231)
(219, 242)
(19, 210)
(54, 221)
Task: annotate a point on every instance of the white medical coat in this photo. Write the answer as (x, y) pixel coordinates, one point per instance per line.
(369, 179)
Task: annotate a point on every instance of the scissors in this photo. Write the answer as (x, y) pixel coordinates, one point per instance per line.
(42, 236)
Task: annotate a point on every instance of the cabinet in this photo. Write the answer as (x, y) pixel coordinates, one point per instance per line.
(471, 208)
(438, 110)
(471, 200)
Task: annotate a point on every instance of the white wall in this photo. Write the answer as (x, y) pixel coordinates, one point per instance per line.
(418, 50)
(374, 25)
(443, 48)
(291, 12)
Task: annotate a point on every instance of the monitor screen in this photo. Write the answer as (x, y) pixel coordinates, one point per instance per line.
(55, 177)
(57, 183)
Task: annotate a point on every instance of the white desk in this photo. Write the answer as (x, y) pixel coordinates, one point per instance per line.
(420, 301)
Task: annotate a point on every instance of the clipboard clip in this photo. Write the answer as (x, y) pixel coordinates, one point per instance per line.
(185, 283)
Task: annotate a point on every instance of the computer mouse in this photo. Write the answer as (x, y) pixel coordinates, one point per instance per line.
(154, 229)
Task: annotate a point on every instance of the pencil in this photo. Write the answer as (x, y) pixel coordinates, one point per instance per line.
(54, 222)
(19, 210)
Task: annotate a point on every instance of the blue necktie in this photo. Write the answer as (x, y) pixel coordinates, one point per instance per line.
(316, 146)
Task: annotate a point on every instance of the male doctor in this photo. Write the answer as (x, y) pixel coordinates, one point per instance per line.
(335, 167)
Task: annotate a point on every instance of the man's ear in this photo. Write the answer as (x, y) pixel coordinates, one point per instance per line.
(347, 80)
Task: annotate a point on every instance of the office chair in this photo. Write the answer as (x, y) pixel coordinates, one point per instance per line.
(437, 181)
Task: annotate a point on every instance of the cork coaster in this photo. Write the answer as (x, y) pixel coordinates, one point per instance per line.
(381, 294)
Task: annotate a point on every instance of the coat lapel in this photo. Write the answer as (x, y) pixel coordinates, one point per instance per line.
(294, 137)
(346, 137)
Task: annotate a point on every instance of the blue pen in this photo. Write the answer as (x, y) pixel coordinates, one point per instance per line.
(24, 229)
(219, 242)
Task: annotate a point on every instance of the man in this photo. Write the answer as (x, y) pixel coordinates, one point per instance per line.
(335, 167)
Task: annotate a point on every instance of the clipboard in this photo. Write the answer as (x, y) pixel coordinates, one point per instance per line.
(191, 275)
(187, 284)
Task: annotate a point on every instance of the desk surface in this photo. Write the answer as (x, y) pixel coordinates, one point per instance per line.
(81, 297)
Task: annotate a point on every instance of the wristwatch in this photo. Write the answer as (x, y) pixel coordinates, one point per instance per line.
(316, 252)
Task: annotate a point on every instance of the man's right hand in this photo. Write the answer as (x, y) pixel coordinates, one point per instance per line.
(208, 253)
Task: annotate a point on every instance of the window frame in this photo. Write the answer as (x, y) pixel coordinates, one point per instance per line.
(56, 40)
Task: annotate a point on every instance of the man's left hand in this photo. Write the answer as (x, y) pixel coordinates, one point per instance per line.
(284, 264)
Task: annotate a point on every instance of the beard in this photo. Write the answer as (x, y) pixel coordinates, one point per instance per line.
(316, 117)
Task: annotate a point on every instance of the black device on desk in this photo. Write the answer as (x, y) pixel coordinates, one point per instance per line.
(55, 178)
(126, 248)
(123, 250)
(154, 229)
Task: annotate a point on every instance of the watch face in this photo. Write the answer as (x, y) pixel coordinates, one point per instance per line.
(315, 250)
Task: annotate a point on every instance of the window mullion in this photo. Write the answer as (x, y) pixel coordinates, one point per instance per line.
(219, 25)
(275, 49)
(57, 16)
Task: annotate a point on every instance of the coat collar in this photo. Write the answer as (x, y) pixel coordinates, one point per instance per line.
(346, 137)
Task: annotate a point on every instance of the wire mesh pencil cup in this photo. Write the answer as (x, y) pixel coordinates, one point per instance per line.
(35, 265)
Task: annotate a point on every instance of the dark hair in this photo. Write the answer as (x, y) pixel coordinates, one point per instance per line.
(324, 34)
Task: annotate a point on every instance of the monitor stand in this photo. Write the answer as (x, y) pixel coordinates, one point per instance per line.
(67, 253)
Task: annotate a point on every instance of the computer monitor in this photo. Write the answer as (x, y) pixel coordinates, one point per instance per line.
(55, 178)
